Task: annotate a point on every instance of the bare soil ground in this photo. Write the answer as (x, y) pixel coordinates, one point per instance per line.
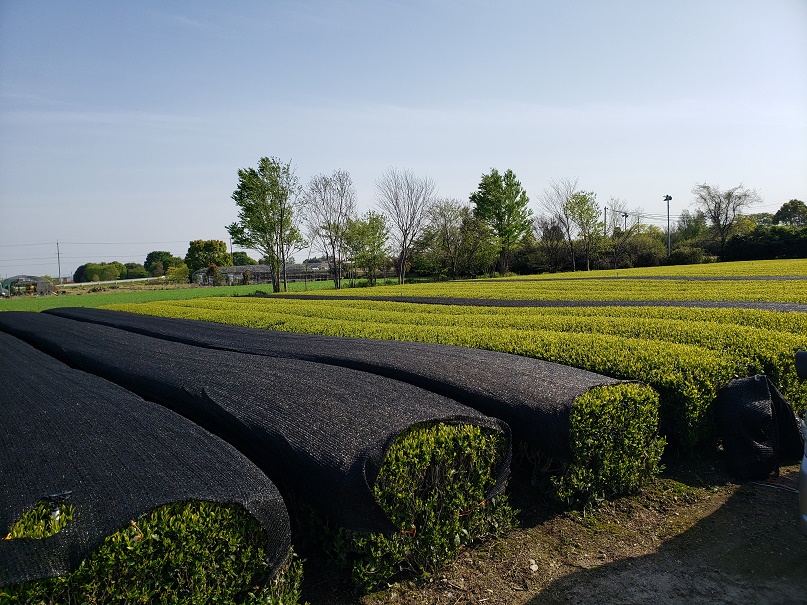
(693, 536)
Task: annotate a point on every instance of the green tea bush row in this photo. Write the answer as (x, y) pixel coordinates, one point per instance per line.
(782, 290)
(751, 350)
(687, 377)
(758, 268)
(193, 552)
(615, 444)
(432, 485)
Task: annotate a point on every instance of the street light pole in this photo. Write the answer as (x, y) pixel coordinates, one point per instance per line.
(668, 198)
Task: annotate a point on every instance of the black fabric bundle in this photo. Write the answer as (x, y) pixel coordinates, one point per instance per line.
(534, 397)
(319, 429)
(66, 434)
(758, 427)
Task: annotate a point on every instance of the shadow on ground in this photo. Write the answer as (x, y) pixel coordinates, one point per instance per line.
(748, 551)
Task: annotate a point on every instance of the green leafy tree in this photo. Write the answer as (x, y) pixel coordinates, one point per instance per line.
(582, 209)
(204, 252)
(158, 261)
(178, 275)
(241, 259)
(722, 208)
(366, 243)
(647, 248)
(761, 219)
(268, 204)
(501, 202)
(100, 272)
(135, 271)
(456, 242)
(691, 226)
(792, 213)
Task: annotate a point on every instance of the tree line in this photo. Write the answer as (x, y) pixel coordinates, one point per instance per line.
(494, 231)
(160, 263)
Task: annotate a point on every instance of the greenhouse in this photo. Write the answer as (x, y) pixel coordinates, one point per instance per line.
(27, 284)
(253, 274)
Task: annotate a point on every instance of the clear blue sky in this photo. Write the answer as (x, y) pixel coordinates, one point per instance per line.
(123, 124)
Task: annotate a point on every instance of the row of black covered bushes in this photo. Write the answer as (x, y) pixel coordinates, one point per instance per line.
(148, 462)
(392, 478)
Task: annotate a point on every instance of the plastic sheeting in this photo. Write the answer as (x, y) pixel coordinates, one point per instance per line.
(119, 457)
(534, 397)
(319, 429)
(758, 427)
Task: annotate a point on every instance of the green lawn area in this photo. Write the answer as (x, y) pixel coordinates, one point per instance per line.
(112, 296)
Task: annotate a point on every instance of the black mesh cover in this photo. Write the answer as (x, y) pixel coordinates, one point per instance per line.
(319, 429)
(758, 427)
(534, 397)
(62, 430)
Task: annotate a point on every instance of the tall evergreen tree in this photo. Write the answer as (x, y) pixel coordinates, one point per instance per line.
(501, 202)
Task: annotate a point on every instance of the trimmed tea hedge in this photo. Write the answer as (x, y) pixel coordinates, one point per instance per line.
(326, 445)
(686, 376)
(615, 446)
(433, 485)
(536, 398)
(760, 290)
(195, 552)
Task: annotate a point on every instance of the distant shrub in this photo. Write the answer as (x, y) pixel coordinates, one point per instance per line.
(178, 275)
(686, 256)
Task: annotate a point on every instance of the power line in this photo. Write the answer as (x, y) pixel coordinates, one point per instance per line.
(178, 241)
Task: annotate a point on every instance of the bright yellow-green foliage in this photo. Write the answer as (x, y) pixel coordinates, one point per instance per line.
(615, 446)
(195, 552)
(432, 485)
(42, 521)
(686, 358)
(786, 290)
(753, 268)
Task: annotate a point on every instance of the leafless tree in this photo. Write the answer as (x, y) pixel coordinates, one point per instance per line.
(621, 224)
(404, 199)
(330, 205)
(722, 207)
(555, 201)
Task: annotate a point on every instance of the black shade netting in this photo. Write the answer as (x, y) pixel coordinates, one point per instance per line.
(534, 397)
(758, 427)
(68, 435)
(320, 430)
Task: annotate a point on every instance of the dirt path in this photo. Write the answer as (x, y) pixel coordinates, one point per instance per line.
(692, 537)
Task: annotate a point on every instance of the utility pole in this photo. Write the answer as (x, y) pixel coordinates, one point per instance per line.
(668, 199)
(59, 261)
(605, 222)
